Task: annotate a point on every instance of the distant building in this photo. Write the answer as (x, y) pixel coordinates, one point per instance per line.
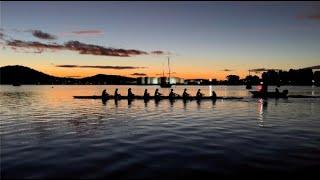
(158, 80)
(198, 81)
(147, 80)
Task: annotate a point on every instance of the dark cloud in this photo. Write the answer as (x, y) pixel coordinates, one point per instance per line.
(258, 70)
(83, 48)
(101, 67)
(138, 74)
(42, 35)
(227, 70)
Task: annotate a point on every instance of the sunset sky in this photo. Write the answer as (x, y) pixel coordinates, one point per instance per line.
(203, 39)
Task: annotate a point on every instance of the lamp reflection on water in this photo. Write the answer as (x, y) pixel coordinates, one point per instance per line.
(210, 90)
(262, 105)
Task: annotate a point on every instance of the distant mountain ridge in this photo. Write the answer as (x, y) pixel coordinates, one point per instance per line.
(24, 75)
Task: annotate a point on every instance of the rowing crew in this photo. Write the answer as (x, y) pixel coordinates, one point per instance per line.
(157, 94)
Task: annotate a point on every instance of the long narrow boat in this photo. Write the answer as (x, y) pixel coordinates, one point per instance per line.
(152, 97)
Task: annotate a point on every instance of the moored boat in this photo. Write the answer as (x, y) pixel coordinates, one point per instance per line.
(259, 94)
(16, 84)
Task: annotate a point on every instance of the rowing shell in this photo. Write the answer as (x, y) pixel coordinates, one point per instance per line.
(152, 97)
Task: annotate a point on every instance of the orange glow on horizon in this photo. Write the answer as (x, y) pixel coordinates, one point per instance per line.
(86, 72)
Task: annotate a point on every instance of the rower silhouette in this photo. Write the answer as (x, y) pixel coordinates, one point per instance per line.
(185, 95)
(146, 95)
(157, 95)
(116, 94)
(199, 95)
(172, 95)
(214, 95)
(104, 95)
(130, 94)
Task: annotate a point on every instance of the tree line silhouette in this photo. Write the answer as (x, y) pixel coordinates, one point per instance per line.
(25, 75)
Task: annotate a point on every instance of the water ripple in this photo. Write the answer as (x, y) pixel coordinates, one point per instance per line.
(46, 133)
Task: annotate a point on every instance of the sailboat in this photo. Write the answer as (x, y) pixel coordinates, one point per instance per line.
(164, 83)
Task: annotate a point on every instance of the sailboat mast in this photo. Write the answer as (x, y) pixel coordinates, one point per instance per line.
(169, 68)
(162, 69)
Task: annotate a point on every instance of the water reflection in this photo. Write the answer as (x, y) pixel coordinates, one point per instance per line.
(156, 102)
(58, 130)
(129, 102)
(185, 105)
(312, 93)
(104, 101)
(262, 107)
(214, 102)
(210, 90)
(146, 101)
(116, 102)
(171, 102)
(198, 104)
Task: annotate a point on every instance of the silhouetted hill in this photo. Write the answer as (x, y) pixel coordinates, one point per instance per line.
(25, 75)
(108, 79)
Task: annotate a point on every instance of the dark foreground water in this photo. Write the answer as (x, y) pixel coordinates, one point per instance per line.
(47, 133)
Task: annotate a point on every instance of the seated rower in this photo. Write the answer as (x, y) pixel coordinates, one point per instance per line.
(130, 94)
(157, 95)
(199, 94)
(146, 95)
(104, 94)
(185, 95)
(116, 94)
(214, 95)
(172, 95)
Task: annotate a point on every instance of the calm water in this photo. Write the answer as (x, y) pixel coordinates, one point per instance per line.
(47, 133)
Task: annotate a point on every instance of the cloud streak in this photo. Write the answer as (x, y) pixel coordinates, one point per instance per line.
(81, 48)
(88, 32)
(166, 73)
(315, 16)
(38, 46)
(100, 67)
(138, 74)
(160, 53)
(84, 33)
(262, 70)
